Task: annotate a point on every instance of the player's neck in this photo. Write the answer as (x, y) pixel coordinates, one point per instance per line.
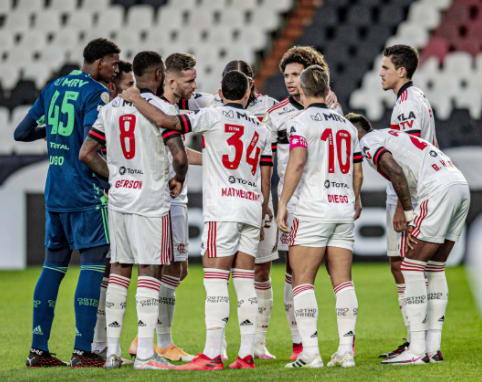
(313, 101)
(400, 84)
(297, 98)
(170, 96)
(90, 70)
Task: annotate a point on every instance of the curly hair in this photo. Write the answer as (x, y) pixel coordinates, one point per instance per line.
(304, 55)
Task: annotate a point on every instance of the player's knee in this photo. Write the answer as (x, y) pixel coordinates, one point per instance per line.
(60, 256)
(261, 272)
(94, 255)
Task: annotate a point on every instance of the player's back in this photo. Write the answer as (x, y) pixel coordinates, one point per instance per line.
(69, 104)
(332, 147)
(137, 158)
(234, 147)
(426, 168)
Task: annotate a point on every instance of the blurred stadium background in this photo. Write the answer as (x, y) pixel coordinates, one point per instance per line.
(43, 39)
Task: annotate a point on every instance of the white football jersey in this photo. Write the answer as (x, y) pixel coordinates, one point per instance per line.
(198, 101)
(332, 145)
(236, 145)
(427, 169)
(413, 115)
(136, 156)
(258, 106)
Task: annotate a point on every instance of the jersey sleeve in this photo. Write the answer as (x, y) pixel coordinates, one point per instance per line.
(37, 109)
(170, 110)
(97, 131)
(298, 135)
(93, 102)
(273, 134)
(266, 153)
(199, 122)
(373, 149)
(357, 155)
(407, 117)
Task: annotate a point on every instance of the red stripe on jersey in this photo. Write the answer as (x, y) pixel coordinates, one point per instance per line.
(378, 154)
(169, 134)
(97, 135)
(203, 143)
(396, 127)
(278, 105)
(294, 229)
(260, 118)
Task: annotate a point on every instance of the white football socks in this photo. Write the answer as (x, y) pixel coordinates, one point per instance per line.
(167, 302)
(100, 331)
(437, 299)
(264, 292)
(401, 304)
(216, 309)
(147, 302)
(115, 308)
(416, 302)
(243, 281)
(289, 308)
(346, 312)
(306, 315)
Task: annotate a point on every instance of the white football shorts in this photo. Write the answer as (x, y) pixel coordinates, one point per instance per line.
(222, 239)
(284, 238)
(180, 232)
(136, 239)
(267, 248)
(442, 216)
(396, 241)
(310, 233)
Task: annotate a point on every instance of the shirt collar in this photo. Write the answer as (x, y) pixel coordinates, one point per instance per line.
(145, 90)
(236, 105)
(404, 87)
(296, 104)
(318, 104)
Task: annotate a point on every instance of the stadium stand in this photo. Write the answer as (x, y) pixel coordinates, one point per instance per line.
(39, 40)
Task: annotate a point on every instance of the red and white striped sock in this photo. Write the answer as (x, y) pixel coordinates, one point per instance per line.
(115, 308)
(167, 302)
(346, 312)
(243, 280)
(289, 309)
(416, 302)
(437, 299)
(147, 303)
(401, 304)
(216, 309)
(306, 314)
(264, 292)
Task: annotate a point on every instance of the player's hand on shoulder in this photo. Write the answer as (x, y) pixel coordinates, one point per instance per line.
(331, 98)
(131, 94)
(175, 186)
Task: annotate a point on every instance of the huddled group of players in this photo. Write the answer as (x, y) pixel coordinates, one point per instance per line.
(116, 188)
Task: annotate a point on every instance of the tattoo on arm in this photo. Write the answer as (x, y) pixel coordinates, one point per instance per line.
(397, 177)
(179, 157)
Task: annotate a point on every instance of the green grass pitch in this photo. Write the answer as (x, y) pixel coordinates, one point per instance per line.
(379, 329)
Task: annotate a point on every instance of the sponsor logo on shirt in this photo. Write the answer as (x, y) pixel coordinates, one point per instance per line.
(232, 179)
(123, 170)
(237, 193)
(126, 183)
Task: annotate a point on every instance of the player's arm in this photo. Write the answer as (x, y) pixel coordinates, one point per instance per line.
(152, 113)
(179, 164)
(395, 174)
(89, 154)
(28, 130)
(357, 184)
(194, 157)
(294, 171)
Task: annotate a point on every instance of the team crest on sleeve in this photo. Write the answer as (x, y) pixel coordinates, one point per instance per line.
(104, 96)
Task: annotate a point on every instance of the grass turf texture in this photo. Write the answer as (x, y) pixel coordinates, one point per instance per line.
(379, 329)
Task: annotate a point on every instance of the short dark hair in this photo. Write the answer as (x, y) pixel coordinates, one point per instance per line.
(315, 81)
(243, 67)
(360, 120)
(99, 48)
(124, 67)
(144, 60)
(304, 55)
(403, 56)
(234, 85)
(180, 61)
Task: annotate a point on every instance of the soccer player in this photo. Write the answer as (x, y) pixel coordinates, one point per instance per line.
(76, 213)
(236, 182)
(291, 65)
(180, 82)
(417, 168)
(122, 80)
(139, 203)
(412, 114)
(324, 146)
